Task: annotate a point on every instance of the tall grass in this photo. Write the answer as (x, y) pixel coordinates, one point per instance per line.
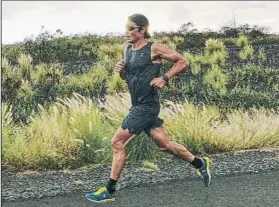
(12, 144)
(74, 132)
(70, 133)
(25, 65)
(116, 108)
(250, 129)
(89, 126)
(190, 125)
(7, 126)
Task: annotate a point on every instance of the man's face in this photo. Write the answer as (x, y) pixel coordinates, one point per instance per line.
(132, 32)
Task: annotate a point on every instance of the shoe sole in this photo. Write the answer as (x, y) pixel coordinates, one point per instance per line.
(102, 201)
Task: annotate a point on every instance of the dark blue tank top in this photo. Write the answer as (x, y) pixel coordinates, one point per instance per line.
(139, 72)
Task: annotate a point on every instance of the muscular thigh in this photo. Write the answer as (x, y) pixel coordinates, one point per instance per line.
(122, 136)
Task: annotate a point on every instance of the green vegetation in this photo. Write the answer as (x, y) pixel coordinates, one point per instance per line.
(74, 132)
(54, 116)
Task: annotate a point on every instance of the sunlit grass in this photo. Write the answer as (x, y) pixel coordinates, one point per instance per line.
(69, 133)
(190, 125)
(253, 129)
(74, 132)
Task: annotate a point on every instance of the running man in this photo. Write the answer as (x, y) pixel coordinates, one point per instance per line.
(141, 70)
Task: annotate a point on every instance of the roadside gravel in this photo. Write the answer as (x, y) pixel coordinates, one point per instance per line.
(40, 184)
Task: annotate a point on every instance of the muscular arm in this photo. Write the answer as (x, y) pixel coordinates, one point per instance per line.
(164, 52)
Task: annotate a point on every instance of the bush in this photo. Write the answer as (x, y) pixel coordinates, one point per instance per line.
(246, 53)
(214, 45)
(242, 41)
(92, 84)
(11, 81)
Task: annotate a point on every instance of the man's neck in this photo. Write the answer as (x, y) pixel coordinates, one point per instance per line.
(139, 44)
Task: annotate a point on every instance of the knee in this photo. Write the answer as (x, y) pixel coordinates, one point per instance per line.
(117, 145)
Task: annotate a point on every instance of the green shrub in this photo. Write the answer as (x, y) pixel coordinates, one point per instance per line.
(216, 79)
(11, 81)
(213, 45)
(261, 55)
(242, 41)
(246, 53)
(92, 83)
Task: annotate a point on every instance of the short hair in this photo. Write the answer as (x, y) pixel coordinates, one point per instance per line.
(142, 21)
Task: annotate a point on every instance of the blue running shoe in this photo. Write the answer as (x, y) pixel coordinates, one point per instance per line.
(100, 196)
(204, 171)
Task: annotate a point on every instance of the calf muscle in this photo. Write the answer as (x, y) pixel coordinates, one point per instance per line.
(161, 138)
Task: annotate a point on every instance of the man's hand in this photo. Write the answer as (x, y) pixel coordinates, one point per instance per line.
(119, 68)
(158, 82)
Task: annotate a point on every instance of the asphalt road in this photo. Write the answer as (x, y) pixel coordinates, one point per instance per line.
(245, 190)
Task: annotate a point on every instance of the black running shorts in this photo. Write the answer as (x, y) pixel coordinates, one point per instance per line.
(142, 118)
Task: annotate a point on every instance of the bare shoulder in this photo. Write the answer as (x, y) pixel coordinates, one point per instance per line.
(165, 52)
(159, 48)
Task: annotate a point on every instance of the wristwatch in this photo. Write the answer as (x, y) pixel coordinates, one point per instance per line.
(165, 78)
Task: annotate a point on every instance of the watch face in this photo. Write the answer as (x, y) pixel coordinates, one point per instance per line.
(165, 77)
